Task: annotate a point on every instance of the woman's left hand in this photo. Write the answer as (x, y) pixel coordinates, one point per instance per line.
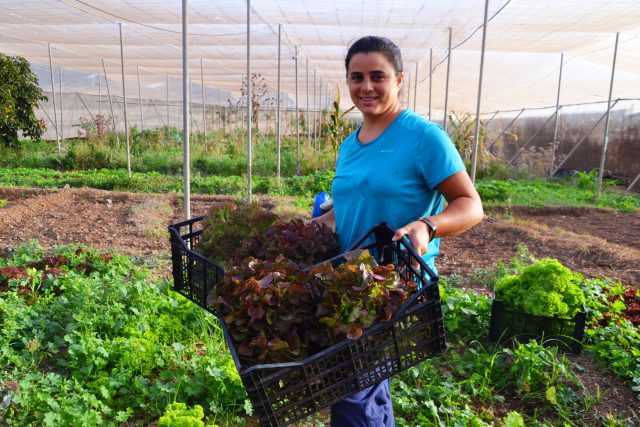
(418, 234)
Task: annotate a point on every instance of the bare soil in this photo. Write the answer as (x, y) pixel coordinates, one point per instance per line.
(595, 242)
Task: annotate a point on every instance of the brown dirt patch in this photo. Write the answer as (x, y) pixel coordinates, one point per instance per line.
(580, 243)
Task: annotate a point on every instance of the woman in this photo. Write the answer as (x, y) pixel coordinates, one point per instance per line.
(397, 168)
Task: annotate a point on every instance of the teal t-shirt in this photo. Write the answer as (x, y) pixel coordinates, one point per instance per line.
(392, 179)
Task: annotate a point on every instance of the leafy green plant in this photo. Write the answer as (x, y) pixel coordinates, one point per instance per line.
(3, 203)
(463, 126)
(587, 180)
(233, 233)
(540, 374)
(19, 95)
(338, 127)
(104, 342)
(513, 419)
(545, 288)
(488, 277)
(611, 336)
(496, 191)
(277, 312)
(177, 414)
(466, 314)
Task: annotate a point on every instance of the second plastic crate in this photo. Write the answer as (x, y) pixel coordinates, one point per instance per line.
(507, 324)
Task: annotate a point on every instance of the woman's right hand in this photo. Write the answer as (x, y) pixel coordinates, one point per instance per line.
(328, 219)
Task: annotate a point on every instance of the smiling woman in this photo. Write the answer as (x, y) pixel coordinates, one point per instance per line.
(396, 168)
(374, 85)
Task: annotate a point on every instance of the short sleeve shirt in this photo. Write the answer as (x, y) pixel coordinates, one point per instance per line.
(393, 178)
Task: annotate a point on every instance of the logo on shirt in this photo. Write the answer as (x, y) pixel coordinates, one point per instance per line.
(387, 151)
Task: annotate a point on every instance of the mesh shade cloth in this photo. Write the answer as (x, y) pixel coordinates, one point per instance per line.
(524, 43)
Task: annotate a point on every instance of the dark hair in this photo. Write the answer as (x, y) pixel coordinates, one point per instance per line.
(368, 44)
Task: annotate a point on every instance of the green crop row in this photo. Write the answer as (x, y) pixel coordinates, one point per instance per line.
(562, 192)
(153, 182)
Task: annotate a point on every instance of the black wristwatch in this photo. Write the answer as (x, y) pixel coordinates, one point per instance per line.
(431, 225)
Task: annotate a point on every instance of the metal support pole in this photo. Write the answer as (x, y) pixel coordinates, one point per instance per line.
(636, 179)
(554, 142)
(191, 120)
(61, 110)
(53, 95)
(505, 129)
(85, 106)
(124, 96)
(220, 111)
(491, 119)
(168, 122)
(575, 147)
(113, 116)
(159, 117)
(606, 123)
(319, 135)
(530, 139)
(446, 91)
(306, 120)
(204, 110)
(476, 138)
(186, 113)
(140, 99)
(278, 108)
(408, 90)
(297, 117)
(430, 78)
(249, 101)
(73, 109)
(415, 88)
(314, 107)
(99, 94)
(46, 114)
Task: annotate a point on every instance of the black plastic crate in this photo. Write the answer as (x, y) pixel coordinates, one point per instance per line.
(286, 392)
(507, 324)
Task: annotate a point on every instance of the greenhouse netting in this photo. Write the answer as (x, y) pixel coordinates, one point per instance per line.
(543, 60)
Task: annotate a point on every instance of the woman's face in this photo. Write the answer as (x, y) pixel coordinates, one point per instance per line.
(373, 84)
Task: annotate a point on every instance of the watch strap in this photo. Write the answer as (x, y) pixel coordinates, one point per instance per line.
(431, 225)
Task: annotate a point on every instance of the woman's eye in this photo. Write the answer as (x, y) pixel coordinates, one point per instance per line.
(378, 77)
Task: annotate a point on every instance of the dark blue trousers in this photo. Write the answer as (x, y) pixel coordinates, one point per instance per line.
(370, 407)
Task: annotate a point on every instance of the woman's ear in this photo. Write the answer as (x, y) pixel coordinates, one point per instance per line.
(400, 81)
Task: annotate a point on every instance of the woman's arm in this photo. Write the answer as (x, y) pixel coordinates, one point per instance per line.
(328, 219)
(463, 211)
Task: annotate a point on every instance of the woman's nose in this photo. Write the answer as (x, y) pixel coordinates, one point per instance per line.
(367, 84)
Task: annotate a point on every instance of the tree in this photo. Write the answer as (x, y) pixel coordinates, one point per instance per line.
(259, 95)
(19, 94)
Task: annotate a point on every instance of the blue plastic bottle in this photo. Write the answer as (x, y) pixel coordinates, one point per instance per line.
(319, 200)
